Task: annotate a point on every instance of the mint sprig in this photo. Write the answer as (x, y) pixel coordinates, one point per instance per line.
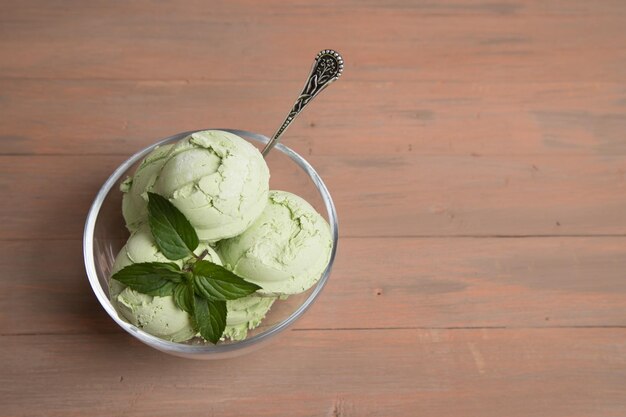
(173, 233)
(209, 318)
(201, 288)
(152, 278)
(214, 282)
(183, 296)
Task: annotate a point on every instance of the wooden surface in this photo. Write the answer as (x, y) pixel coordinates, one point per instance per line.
(476, 152)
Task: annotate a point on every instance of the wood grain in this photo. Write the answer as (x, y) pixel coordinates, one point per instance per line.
(476, 154)
(354, 118)
(468, 41)
(428, 195)
(551, 373)
(414, 283)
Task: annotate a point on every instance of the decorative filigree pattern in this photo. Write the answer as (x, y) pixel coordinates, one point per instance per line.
(327, 68)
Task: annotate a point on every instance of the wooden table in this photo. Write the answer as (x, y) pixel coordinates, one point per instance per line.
(477, 155)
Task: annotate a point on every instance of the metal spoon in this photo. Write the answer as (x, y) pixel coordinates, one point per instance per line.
(327, 67)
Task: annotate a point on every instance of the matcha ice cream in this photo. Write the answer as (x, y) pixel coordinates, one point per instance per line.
(160, 316)
(135, 200)
(220, 184)
(245, 314)
(218, 180)
(286, 249)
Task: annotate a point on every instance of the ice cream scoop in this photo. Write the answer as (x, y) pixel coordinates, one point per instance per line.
(218, 180)
(160, 316)
(245, 314)
(135, 199)
(286, 249)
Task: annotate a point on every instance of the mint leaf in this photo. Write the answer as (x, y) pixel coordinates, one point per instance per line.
(209, 318)
(151, 278)
(183, 296)
(173, 233)
(215, 282)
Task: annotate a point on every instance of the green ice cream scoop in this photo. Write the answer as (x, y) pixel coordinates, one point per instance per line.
(218, 180)
(135, 199)
(160, 316)
(286, 249)
(245, 314)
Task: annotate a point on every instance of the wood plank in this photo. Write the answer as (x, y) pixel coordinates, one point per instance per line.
(449, 40)
(409, 283)
(384, 118)
(566, 372)
(456, 123)
(428, 195)
(477, 196)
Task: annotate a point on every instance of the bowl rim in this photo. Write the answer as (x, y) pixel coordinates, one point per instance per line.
(181, 348)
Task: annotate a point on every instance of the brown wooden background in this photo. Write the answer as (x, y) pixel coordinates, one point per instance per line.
(477, 155)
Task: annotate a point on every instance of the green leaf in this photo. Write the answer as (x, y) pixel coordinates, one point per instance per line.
(173, 233)
(152, 278)
(215, 282)
(183, 296)
(209, 318)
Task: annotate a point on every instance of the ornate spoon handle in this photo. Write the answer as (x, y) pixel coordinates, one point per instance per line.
(327, 67)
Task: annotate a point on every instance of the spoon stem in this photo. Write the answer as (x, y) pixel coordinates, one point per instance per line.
(327, 68)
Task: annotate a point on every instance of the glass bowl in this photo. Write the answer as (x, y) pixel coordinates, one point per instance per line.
(105, 235)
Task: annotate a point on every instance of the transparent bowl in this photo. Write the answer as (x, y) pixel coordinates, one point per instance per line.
(105, 235)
